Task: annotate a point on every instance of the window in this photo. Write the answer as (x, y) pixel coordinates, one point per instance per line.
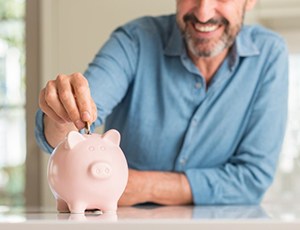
(12, 102)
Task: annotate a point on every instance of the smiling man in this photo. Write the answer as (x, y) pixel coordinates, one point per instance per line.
(199, 99)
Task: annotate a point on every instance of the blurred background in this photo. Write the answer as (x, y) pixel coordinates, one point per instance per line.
(41, 38)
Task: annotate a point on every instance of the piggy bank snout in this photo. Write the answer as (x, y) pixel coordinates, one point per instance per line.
(100, 170)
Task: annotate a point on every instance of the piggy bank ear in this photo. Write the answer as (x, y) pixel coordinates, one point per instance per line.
(112, 135)
(73, 139)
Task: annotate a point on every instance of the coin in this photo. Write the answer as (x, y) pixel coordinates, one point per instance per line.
(87, 128)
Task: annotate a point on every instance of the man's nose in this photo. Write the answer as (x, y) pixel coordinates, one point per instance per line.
(205, 10)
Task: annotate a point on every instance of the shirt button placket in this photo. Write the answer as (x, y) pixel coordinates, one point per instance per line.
(198, 85)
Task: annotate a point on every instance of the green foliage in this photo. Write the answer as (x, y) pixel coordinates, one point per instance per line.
(12, 9)
(12, 194)
(12, 22)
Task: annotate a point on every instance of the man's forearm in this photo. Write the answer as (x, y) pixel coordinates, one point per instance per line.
(166, 188)
(170, 188)
(55, 132)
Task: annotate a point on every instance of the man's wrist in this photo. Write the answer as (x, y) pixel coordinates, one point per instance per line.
(168, 188)
(55, 132)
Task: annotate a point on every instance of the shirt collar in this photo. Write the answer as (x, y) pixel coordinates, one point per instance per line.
(243, 47)
(175, 45)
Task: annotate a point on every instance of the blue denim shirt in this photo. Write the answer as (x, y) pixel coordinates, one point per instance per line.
(225, 136)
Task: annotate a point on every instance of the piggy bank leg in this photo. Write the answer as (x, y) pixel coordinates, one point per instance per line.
(77, 207)
(62, 206)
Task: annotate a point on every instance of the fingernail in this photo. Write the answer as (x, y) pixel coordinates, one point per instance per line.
(86, 116)
(79, 124)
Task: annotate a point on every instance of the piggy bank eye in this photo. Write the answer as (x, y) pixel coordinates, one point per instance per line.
(91, 148)
(101, 148)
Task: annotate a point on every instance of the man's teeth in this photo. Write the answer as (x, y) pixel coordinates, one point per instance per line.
(202, 28)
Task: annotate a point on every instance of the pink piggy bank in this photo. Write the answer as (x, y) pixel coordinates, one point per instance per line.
(88, 171)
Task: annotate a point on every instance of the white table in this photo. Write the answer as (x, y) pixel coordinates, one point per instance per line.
(150, 217)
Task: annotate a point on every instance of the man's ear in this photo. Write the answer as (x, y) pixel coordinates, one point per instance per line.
(250, 4)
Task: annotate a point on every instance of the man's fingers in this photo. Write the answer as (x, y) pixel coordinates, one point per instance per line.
(94, 110)
(67, 97)
(82, 94)
(52, 100)
(47, 110)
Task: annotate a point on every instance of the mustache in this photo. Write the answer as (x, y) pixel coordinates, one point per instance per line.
(193, 19)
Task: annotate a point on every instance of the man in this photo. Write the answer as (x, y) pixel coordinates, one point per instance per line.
(199, 99)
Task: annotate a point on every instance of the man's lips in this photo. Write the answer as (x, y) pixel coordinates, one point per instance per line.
(205, 31)
(205, 28)
(208, 28)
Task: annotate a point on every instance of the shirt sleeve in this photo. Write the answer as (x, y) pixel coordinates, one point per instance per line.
(109, 76)
(39, 132)
(112, 71)
(250, 171)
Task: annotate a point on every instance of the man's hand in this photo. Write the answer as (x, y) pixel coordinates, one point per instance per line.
(67, 104)
(158, 187)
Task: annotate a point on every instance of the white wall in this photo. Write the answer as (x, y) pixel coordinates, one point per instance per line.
(78, 28)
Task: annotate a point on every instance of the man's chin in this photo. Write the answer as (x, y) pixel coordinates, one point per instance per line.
(207, 52)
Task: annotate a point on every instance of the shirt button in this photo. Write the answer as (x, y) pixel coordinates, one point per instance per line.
(183, 161)
(198, 85)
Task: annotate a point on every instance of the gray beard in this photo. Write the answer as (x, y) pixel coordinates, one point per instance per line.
(225, 42)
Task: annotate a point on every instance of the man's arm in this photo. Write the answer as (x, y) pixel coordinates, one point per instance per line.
(164, 188)
(67, 104)
(250, 170)
(69, 100)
